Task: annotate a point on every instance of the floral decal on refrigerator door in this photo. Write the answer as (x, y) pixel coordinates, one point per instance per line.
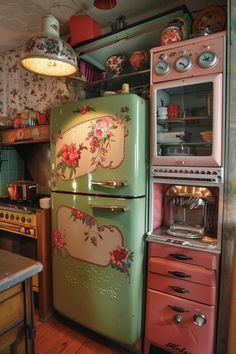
(79, 236)
(99, 140)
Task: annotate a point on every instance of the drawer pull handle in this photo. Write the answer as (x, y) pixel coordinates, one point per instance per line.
(180, 256)
(179, 290)
(178, 309)
(180, 274)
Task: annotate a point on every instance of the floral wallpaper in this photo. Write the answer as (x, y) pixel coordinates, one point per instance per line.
(20, 89)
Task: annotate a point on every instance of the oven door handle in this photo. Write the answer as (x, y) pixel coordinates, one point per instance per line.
(180, 274)
(180, 256)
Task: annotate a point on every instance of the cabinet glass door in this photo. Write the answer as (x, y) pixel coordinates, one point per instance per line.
(186, 125)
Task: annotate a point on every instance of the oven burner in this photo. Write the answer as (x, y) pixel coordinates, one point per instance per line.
(186, 231)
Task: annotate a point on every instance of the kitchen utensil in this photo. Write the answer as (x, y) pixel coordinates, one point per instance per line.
(207, 136)
(173, 110)
(45, 203)
(22, 190)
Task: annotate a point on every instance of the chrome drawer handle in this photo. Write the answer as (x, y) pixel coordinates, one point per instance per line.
(179, 290)
(112, 208)
(178, 309)
(110, 184)
(180, 256)
(180, 274)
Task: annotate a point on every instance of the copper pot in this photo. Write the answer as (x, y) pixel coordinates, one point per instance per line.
(22, 190)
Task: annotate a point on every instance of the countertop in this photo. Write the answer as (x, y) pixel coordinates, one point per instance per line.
(15, 269)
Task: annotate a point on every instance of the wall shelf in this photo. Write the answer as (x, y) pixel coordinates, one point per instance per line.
(27, 135)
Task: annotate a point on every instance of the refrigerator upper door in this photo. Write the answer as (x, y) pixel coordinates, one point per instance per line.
(98, 146)
(98, 262)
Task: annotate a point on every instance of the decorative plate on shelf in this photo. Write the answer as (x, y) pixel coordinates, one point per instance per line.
(210, 20)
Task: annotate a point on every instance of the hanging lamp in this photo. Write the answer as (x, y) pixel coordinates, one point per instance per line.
(48, 54)
(104, 4)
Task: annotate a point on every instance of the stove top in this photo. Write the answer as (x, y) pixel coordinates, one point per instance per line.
(19, 205)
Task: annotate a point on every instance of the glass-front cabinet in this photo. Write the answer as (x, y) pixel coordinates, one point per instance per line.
(187, 122)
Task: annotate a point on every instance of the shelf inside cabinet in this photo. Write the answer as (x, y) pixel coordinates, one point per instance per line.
(134, 79)
(26, 135)
(183, 120)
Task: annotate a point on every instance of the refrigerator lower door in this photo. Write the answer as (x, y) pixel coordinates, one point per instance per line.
(98, 252)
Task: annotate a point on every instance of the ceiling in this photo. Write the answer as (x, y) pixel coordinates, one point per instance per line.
(21, 19)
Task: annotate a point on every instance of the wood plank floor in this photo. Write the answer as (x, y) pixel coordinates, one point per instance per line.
(59, 335)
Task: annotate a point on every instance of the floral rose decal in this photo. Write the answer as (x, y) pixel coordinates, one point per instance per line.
(99, 137)
(84, 109)
(69, 158)
(121, 259)
(58, 242)
(91, 234)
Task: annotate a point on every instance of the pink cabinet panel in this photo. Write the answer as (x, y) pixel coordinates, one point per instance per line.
(182, 288)
(190, 256)
(182, 271)
(174, 324)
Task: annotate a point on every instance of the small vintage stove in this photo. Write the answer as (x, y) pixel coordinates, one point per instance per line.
(25, 230)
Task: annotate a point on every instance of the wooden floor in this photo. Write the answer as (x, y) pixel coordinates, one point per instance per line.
(59, 335)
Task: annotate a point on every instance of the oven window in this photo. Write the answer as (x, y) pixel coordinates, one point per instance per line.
(185, 120)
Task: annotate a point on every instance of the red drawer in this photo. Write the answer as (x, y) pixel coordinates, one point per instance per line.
(203, 259)
(173, 330)
(182, 271)
(185, 289)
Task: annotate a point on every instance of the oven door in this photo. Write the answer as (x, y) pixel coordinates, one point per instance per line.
(20, 244)
(164, 216)
(189, 132)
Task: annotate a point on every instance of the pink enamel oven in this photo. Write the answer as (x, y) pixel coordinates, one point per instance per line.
(187, 80)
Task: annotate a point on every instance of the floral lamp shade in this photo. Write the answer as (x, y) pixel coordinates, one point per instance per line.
(48, 54)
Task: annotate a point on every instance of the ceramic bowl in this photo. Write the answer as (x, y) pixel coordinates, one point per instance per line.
(116, 64)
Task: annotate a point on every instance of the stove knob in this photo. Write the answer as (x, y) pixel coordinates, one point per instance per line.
(178, 319)
(23, 219)
(200, 319)
(6, 216)
(17, 217)
(31, 231)
(12, 217)
(28, 220)
(1, 215)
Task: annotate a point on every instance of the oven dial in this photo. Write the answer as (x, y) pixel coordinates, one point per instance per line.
(6, 216)
(28, 220)
(17, 217)
(162, 67)
(12, 217)
(183, 63)
(23, 219)
(1, 215)
(200, 319)
(207, 59)
(178, 319)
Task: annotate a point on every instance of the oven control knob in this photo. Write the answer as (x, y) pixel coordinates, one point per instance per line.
(6, 216)
(17, 217)
(29, 220)
(1, 215)
(23, 219)
(200, 319)
(178, 319)
(12, 217)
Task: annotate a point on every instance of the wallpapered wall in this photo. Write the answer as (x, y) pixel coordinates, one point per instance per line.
(20, 89)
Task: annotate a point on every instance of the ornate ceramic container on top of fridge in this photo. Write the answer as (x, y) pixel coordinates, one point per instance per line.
(188, 78)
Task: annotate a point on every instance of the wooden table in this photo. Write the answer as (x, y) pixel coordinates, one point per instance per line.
(17, 331)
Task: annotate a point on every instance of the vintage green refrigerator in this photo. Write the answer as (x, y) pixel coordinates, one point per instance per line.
(99, 213)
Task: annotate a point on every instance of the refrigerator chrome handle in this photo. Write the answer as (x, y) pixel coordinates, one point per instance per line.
(112, 208)
(110, 184)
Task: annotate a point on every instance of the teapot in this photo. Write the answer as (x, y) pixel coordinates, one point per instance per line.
(138, 58)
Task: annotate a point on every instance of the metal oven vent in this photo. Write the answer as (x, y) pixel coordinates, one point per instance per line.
(190, 173)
